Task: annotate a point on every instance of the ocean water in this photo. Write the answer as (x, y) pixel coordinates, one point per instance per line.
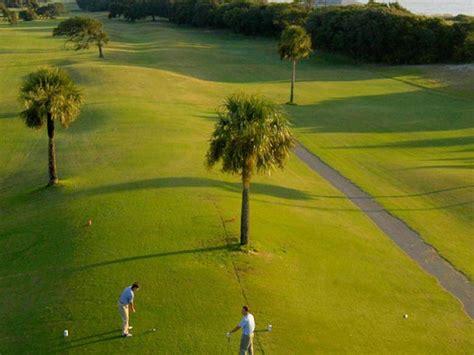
(437, 7)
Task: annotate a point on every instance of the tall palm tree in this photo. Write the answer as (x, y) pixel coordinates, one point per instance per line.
(294, 45)
(50, 95)
(251, 135)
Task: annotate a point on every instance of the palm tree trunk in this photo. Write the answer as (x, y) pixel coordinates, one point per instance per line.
(293, 79)
(53, 171)
(101, 51)
(244, 217)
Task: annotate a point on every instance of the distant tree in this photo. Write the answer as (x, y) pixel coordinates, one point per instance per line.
(135, 10)
(4, 10)
(13, 18)
(82, 32)
(32, 4)
(295, 44)
(51, 10)
(117, 8)
(49, 95)
(204, 13)
(28, 15)
(93, 5)
(10, 16)
(251, 135)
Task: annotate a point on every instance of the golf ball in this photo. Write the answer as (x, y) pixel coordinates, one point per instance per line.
(154, 329)
(270, 328)
(66, 333)
(405, 316)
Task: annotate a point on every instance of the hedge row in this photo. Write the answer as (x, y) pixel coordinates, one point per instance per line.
(388, 35)
(240, 17)
(383, 33)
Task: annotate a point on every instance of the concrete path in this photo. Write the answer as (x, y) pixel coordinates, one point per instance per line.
(407, 239)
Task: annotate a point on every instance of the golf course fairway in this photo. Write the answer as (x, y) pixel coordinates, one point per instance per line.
(317, 269)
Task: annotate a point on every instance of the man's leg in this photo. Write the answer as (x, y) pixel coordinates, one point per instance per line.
(244, 344)
(126, 318)
(123, 310)
(250, 349)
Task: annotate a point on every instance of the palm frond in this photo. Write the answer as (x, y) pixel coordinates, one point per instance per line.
(251, 133)
(50, 91)
(295, 43)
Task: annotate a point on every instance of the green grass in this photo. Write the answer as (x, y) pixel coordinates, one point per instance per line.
(410, 147)
(320, 272)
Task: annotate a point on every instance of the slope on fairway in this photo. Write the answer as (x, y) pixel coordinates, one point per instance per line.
(405, 135)
(322, 274)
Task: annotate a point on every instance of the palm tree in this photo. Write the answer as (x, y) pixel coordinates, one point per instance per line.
(251, 135)
(294, 45)
(49, 95)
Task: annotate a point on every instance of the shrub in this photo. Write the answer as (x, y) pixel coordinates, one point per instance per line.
(51, 10)
(93, 5)
(27, 15)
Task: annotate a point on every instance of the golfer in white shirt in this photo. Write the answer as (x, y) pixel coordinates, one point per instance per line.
(248, 327)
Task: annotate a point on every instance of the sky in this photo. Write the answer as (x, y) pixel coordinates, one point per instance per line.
(434, 7)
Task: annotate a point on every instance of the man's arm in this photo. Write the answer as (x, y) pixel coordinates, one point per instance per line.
(132, 306)
(235, 329)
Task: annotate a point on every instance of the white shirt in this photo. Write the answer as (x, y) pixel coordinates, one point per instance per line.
(247, 324)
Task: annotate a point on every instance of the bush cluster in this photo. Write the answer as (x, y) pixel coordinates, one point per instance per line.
(94, 5)
(50, 10)
(390, 35)
(29, 10)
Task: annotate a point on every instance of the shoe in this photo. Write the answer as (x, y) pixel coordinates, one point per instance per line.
(126, 335)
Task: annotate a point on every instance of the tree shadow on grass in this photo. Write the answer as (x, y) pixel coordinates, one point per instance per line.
(228, 247)
(9, 115)
(414, 111)
(442, 166)
(417, 143)
(231, 247)
(197, 182)
(255, 188)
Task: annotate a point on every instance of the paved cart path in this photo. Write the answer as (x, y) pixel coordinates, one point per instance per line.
(407, 239)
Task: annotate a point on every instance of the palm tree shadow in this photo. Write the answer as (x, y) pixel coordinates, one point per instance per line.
(8, 115)
(229, 247)
(197, 182)
(232, 246)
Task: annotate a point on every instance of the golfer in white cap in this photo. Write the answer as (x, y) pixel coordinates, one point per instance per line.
(125, 303)
(248, 327)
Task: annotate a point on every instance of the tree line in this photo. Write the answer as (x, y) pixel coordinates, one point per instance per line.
(391, 35)
(382, 33)
(29, 10)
